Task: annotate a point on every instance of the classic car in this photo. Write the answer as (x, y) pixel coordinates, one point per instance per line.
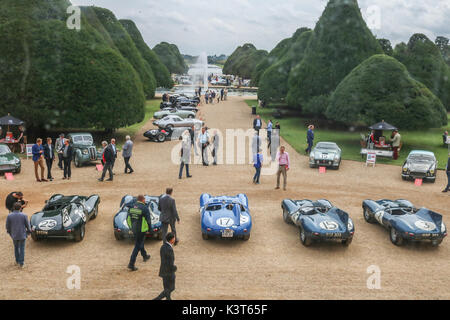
(174, 111)
(325, 154)
(121, 227)
(420, 165)
(169, 105)
(170, 122)
(161, 135)
(64, 217)
(318, 221)
(9, 162)
(404, 221)
(84, 150)
(225, 217)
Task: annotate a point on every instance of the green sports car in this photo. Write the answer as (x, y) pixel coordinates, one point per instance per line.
(177, 112)
(9, 162)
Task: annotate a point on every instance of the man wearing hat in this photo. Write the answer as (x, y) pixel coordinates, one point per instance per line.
(396, 143)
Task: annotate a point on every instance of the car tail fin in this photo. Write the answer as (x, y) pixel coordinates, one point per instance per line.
(426, 213)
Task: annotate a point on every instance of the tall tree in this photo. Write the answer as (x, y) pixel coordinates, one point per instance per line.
(170, 56)
(243, 61)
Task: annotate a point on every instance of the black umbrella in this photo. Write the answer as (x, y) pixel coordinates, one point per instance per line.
(10, 121)
(382, 126)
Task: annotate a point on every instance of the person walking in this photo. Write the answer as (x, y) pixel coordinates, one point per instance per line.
(169, 214)
(15, 197)
(168, 268)
(49, 155)
(215, 142)
(258, 160)
(447, 170)
(107, 156)
(256, 143)
(38, 159)
(222, 92)
(207, 96)
(59, 145)
(396, 141)
(193, 135)
(310, 139)
(18, 227)
(269, 134)
(283, 166)
(225, 94)
(445, 138)
(139, 222)
(203, 139)
(67, 154)
(257, 123)
(127, 152)
(114, 149)
(185, 154)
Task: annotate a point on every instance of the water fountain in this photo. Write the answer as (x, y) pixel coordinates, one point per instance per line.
(199, 72)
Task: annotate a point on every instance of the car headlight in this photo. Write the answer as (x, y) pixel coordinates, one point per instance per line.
(350, 224)
(443, 229)
(17, 160)
(432, 171)
(336, 157)
(85, 151)
(405, 169)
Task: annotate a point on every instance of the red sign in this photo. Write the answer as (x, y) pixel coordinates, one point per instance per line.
(418, 182)
(322, 170)
(9, 176)
(99, 167)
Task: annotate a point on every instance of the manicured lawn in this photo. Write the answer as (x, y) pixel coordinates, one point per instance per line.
(150, 107)
(293, 130)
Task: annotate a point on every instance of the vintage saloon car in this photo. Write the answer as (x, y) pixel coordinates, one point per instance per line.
(122, 229)
(84, 150)
(318, 221)
(64, 217)
(325, 154)
(404, 221)
(9, 162)
(420, 165)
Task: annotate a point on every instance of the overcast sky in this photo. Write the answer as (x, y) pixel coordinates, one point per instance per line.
(216, 27)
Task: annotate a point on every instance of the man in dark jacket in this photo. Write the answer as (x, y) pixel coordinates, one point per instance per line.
(447, 170)
(18, 227)
(67, 155)
(257, 123)
(14, 197)
(108, 157)
(49, 155)
(310, 139)
(169, 213)
(168, 268)
(139, 221)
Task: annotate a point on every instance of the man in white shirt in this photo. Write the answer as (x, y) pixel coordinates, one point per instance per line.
(203, 140)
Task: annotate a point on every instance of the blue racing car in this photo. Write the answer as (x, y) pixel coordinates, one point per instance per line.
(404, 221)
(121, 228)
(318, 221)
(225, 217)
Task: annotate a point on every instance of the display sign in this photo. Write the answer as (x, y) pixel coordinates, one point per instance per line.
(29, 150)
(99, 167)
(418, 182)
(322, 170)
(371, 158)
(9, 176)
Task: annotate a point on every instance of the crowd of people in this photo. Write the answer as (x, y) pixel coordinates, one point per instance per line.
(212, 96)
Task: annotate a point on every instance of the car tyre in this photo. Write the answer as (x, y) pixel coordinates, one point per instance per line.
(79, 235)
(347, 241)
(95, 213)
(396, 238)
(246, 237)
(368, 217)
(18, 170)
(77, 161)
(161, 137)
(169, 127)
(118, 235)
(160, 235)
(34, 236)
(191, 116)
(306, 241)
(286, 217)
(436, 243)
(205, 236)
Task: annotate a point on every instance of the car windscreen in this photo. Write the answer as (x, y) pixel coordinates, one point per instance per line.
(88, 139)
(421, 158)
(4, 150)
(326, 146)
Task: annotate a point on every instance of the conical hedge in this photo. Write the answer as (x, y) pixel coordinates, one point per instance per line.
(51, 76)
(273, 85)
(243, 61)
(381, 88)
(170, 56)
(162, 74)
(341, 41)
(426, 64)
(123, 42)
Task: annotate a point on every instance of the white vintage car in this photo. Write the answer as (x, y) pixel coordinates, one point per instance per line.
(325, 154)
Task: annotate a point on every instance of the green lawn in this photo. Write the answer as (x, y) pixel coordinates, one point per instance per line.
(293, 130)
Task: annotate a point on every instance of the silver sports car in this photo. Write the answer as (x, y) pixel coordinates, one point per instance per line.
(420, 165)
(172, 121)
(174, 112)
(325, 154)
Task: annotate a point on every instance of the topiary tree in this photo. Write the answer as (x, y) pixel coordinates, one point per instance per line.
(381, 88)
(123, 42)
(171, 57)
(386, 46)
(341, 40)
(273, 86)
(444, 46)
(244, 60)
(425, 63)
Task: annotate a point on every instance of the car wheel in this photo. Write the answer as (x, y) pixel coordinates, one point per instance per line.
(161, 137)
(169, 127)
(160, 235)
(77, 161)
(396, 238)
(95, 213)
(286, 217)
(347, 242)
(404, 178)
(79, 235)
(312, 166)
(306, 241)
(246, 237)
(118, 235)
(368, 217)
(18, 170)
(34, 236)
(436, 243)
(191, 116)
(205, 236)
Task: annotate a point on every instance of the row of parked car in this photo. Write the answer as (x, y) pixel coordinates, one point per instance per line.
(229, 217)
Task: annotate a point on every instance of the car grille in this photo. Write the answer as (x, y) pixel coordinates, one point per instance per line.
(92, 153)
(325, 162)
(6, 167)
(418, 174)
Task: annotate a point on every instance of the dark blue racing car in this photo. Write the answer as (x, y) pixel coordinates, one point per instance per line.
(121, 228)
(404, 221)
(318, 221)
(225, 217)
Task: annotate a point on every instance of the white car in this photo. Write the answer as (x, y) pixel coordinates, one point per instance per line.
(325, 154)
(172, 121)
